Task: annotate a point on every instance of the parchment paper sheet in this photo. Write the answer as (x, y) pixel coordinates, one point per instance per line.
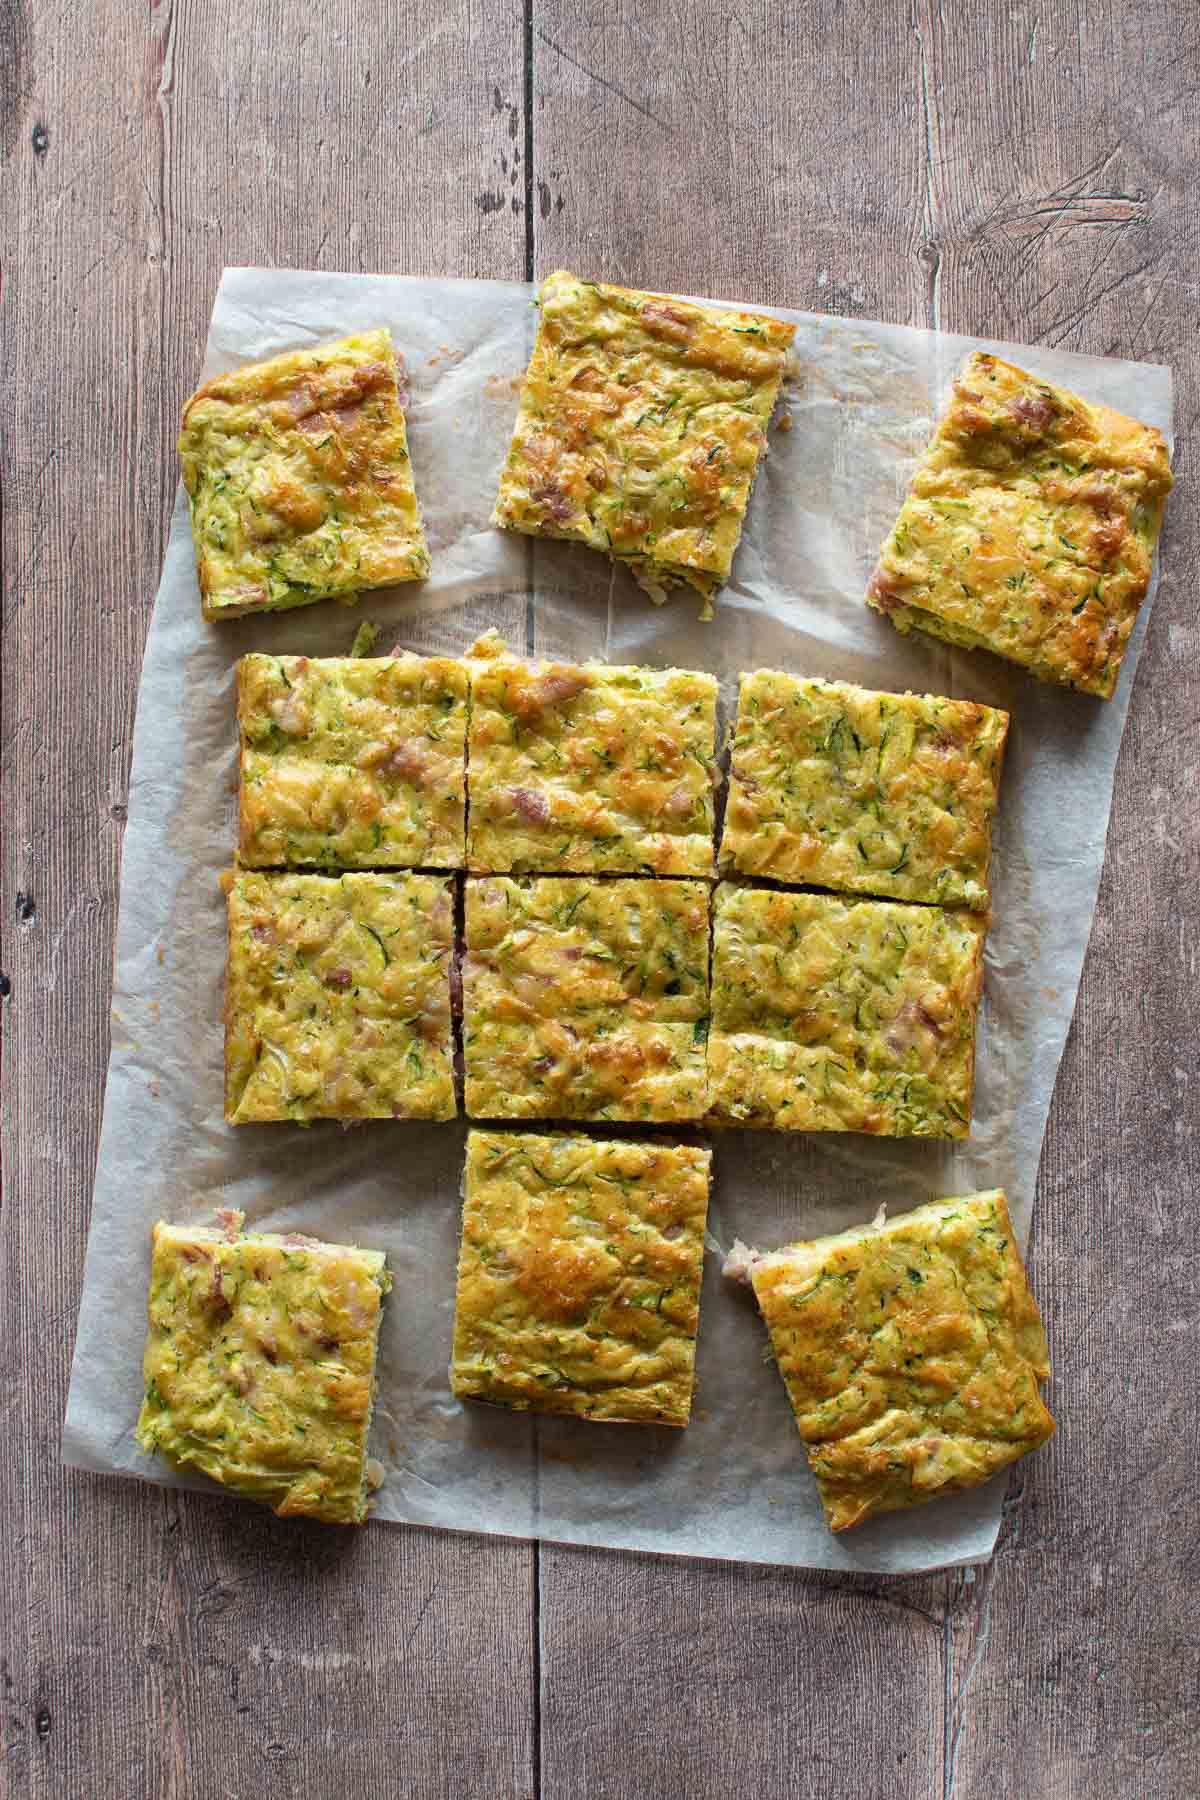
(736, 1483)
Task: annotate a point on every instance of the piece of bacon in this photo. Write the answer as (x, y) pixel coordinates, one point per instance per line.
(533, 807)
(679, 803)
(530, 699)
(553, 501)
(301, 400)
(335, 418)
(927, 1018)
(406, 761)
(559, 685)
(1032, 407)
(218, 1298)
(664, 321)
(883, 590)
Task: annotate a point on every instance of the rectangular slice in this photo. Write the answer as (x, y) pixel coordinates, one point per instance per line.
(260, 1364)
(352, 762)
(590, 769)
(912, 1353)
(641, 424)
(837, 786)
(299, 480)
(585, 999)
(843, 1015)
(1029, 529)
(337, 998)
(579, 1276)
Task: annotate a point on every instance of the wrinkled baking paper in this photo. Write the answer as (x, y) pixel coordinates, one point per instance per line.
(736, 1484)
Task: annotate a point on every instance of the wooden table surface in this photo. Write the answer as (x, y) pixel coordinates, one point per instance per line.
(1023, 170)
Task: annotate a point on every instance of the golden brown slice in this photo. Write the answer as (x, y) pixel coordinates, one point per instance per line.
(839, 787)
(352, 761)
(642, 421)
(835, 1015)
(337, 998)
(260, 1364)
(585, 999)
(590, 768)
(299, 480)
(912, 1353)
(1030, 528)
(579, 1276)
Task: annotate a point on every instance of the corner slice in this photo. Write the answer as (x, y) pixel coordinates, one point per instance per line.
(590, 769)
(641, 424)
(299, 480)
(835, 1015)
(337, 1000)
(352, 762)
(579, 1276)
(260, 1364)
(837, 786)
(1029, 529)
(585, 999)
(912, 1352)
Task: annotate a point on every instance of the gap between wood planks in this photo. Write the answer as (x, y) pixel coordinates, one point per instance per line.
(535, 1730)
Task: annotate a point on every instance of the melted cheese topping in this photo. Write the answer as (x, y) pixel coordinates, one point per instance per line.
(579, 1276)
(260, 1364)
(593, 768)
(835, 786)
(641, 424)
(299, 480)
(1030, 528)
(349, 762)
(833, 1015)
(912, 1354)
(337, 1000)
(585, 1000)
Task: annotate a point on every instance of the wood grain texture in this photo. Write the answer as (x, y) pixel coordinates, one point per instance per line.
(1025, 170)
(155, 1644)
(1018, 171)
(715, 1679)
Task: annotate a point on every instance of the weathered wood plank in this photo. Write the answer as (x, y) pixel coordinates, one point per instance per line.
(765, 151)
(1065, 214)
(1023, 174)
(710, 1679)
(157, 1644)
